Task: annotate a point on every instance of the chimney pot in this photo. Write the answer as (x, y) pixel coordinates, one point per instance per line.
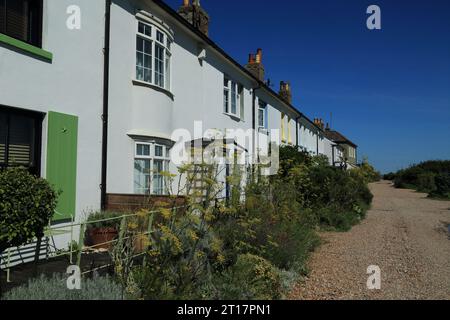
(259, 56)
(255, 65)
(285, 91)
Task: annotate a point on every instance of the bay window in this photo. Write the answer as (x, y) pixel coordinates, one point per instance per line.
(153, 55)
(151, 160)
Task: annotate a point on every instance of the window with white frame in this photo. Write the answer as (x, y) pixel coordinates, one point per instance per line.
(153, 55)
(150, 161)
(233, 98)
(262, 115)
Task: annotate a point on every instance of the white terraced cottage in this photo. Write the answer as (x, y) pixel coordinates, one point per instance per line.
(92, 109)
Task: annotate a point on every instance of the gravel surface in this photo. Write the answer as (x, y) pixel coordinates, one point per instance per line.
(405, 234)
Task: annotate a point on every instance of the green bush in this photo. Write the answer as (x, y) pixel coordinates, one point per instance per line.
(429, 176)
(27, 203)
(426, 182)
(251, 278)
(442, 190)
(104, 215)
(55, 288)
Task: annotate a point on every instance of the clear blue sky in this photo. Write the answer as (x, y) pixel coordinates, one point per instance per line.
(388, 90)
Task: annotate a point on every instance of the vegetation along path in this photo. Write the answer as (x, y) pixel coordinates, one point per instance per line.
(405, 234)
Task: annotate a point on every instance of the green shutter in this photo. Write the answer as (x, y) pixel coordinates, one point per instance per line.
(62, 161)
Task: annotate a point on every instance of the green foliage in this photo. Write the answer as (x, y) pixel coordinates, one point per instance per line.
(429, 176)
(442, 183)
(251, 247)
(368, 172)
(182, 250)
(251, 278)
(389, 176)
(27, 203)
(112, 219)
(55, 288)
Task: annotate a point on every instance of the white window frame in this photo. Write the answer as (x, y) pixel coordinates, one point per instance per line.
(165, 158)
(228, 86)
(166, 63)
(262, 106)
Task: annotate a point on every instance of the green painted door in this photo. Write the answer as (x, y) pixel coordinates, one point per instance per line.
(62, 161)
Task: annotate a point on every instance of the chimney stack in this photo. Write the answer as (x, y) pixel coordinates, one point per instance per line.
(255, 65)
(285, 91)
(195, 15)
(319, 122)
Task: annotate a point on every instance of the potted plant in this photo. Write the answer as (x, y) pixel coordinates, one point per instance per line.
(102, 229)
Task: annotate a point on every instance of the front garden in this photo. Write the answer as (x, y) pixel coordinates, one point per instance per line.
(254, 245)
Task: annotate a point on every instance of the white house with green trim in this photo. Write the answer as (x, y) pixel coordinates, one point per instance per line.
(92, 107)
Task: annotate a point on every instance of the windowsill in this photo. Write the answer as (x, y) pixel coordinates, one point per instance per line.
(233, 116)
(155, 87)
(25, 47)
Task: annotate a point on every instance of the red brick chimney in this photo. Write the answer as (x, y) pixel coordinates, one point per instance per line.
(319, 122)
(255, 65)
(285, 91)
(195, 15)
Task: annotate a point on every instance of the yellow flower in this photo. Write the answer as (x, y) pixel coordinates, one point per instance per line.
(166, 213)
(192, 235)
(132, 225)
(142, 213)
(220, 259)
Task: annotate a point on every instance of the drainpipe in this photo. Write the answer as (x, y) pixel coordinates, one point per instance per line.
(332, 155)
(254, 123)
(105, 103)
(297, 140)
(317, 144)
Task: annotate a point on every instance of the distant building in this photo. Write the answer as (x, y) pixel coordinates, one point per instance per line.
(348, 148)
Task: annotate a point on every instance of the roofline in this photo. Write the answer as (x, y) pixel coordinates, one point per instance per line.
(261, 84)
(347, 141)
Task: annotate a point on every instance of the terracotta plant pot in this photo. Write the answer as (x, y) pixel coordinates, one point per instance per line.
(100, 238)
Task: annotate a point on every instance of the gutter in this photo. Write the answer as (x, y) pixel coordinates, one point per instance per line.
(105, 113)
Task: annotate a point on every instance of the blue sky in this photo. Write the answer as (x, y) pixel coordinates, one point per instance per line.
(388, 90)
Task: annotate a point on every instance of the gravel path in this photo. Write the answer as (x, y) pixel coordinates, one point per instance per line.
(405, 234)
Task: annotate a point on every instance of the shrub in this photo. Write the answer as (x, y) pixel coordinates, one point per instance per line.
(27, 203)
(389, 176)
(442, 182)
(104, 215)
(429, 176)
(368, 172)
(425, 182)
(251, 278)
(55, 288)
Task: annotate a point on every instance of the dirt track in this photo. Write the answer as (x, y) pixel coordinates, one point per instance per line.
(405, 234)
